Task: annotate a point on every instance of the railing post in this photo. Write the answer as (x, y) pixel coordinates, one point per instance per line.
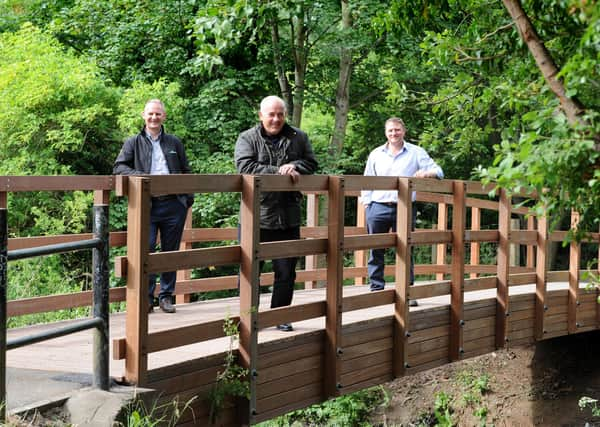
(403, 252)
(574, 263)
(475, 246)
(100, 292)
(249, 287)
(541, 268)
(441, 247)
(360, 257)
(459, 215)
(3, 301)
(312, 220)
(138, 243)
(185, 274)
(335, 279)
(502, 298)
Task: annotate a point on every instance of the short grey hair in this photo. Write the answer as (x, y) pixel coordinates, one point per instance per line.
(155, 101)
(395, 120)
(269, 99)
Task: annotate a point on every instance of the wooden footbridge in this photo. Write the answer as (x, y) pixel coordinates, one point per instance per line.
(345, 337)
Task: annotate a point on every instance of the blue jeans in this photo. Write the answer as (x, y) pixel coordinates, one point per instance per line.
(380, 219)
(168, 217)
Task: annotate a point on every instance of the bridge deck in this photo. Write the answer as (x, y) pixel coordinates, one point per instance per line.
(67, 361)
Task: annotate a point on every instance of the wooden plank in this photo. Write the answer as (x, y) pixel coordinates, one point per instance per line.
(368, 383)
(375, 370)
(136, 323)
(427, 334)
(366, 348)
(432, 185)
(48, 303)
(523, 237)
(434, 319)
(276, 372)
(293, 313)
(335, 281)
(285, 183)
(281, 357)
(480, 283)
(249, 285)
(298, 404)
(475, 245)
(373, 299)
(475, 334)
(483, 343)
(429, 345)
(16, 184)
(476, 236)
(424, 358)
(358, 364)
(521, 279)
(360, 256)
(502, 307)
(312, 220)
(289, 383)
(291, 248)
(370, 241)
(196, 183)
(574, 265)
(368, 335)
(402, 274)
(442, 224)
(429, 290)
(360, 182)
(285, 398)
(459, 215)
(194, 258)
(428, 237)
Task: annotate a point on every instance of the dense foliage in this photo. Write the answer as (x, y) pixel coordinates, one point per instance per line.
(74, 75)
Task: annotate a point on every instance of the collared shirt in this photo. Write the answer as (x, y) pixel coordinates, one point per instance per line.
(407, 162)
(159, 163)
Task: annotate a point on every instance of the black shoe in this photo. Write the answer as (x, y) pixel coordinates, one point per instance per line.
(413, 303)
(166, 306)
(285, 327)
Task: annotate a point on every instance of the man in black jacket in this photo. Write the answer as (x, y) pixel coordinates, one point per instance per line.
(154, 152)
(274, 147)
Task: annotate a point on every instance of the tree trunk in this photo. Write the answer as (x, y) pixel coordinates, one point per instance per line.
(342, 98)
(284, 84)
(300, 56)
(571, 106)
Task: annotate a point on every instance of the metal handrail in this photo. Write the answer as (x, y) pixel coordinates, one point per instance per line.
(99, 320)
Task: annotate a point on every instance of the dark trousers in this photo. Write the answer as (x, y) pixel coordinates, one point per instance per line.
(381, 218)
(284, 269)
(168, 217)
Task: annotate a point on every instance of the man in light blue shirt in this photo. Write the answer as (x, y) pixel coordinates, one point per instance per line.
(394, 158)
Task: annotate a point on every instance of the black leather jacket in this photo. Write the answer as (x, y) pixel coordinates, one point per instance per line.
(254, 155)
(135, 158)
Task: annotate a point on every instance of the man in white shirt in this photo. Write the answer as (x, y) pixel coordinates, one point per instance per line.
(394, 158)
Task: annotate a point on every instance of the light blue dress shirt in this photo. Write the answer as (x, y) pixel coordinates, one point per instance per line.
(159, 163)
(407, 162)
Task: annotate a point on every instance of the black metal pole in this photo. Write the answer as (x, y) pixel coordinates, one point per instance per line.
(3, 316)
(100, 298)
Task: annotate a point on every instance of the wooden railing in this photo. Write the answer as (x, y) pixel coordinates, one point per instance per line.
(454, 274)
(333, 241)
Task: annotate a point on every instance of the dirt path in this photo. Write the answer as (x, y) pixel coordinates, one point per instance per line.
(538, 385)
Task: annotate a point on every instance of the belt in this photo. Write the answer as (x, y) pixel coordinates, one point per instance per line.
(390, 204)
(165, 197)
